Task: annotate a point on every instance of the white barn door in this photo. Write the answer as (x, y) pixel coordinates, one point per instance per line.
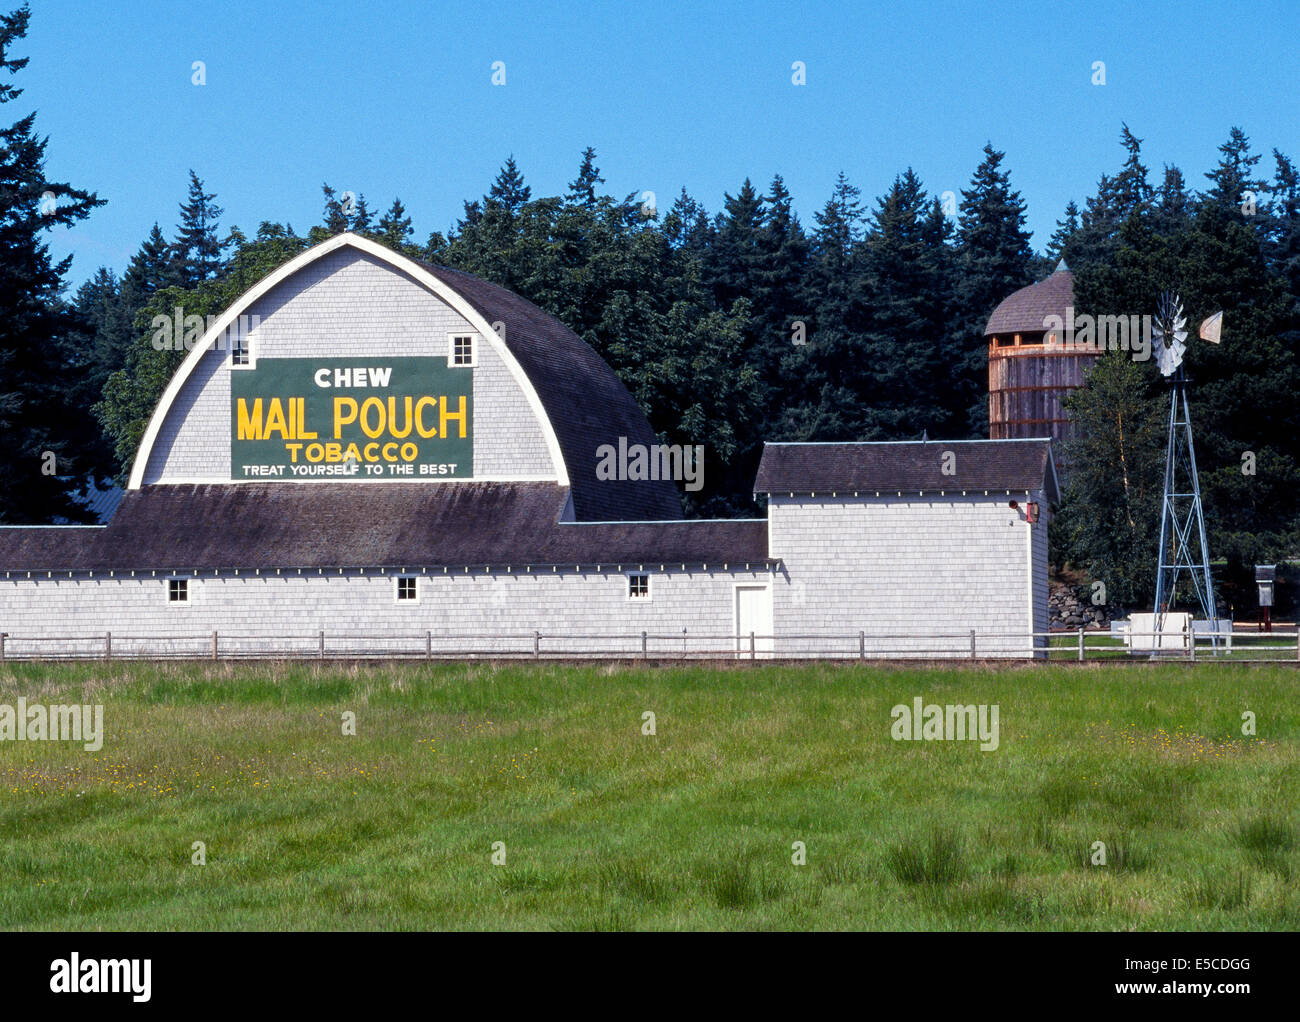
(754, 614)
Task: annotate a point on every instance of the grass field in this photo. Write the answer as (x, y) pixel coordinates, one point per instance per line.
(605, 827)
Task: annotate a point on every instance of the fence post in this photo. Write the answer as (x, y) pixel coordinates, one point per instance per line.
(751, 646)
(972, 643)
(214, 644)
(644, 651)
(1191, 641)
(428, 644)
(3, 636)
(108, 645)
(537, 643)
(322, 643)
(862, 645)
(1080, 644)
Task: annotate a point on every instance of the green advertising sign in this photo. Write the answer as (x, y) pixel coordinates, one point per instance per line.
(351, 418)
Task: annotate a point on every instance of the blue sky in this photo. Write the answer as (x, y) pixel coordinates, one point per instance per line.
(388, 98)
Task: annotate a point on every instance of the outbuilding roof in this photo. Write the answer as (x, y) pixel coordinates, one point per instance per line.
(269, 526)
(1026, 311)
(908, 467)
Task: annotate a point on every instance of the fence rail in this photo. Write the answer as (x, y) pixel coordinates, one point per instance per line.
(1079, 646)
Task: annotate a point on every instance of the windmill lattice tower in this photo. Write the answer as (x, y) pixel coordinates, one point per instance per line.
(1183, 546)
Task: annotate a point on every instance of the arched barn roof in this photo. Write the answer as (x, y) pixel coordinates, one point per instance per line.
(1024, 311)
(588, 405)
(581, 401)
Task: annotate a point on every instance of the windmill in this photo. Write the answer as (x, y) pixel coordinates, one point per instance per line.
(1183, 547)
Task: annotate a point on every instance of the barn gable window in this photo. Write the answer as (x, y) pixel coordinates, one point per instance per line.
(238, 349)
(638, 586)
(460, 350)
(408, 589)
(178, 590)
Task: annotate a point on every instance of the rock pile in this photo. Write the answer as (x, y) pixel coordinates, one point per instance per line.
(1066, 610)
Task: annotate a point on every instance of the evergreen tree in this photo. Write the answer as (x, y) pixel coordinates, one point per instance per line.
(1233, 178)
(994, 259)
(359, 221)
(1132, 189)
(508, 191)
(1282, 247)
(779, 294)
(335, 218)
(1110, 519)
(147, 272)
(104, 308)
(582, 190)
(734, 254)
(1172, 203)
(1060, 240)
(686, 226)
(395, 227)
(823, 405)
(42, 351)
(196, 252)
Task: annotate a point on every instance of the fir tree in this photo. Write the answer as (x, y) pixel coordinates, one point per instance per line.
(508, 191)
(994, 259)
(335, 218)
(582, 189)
(359, 221)
(42, 349)
(1060, 240)
(395, 227)
(196, 252)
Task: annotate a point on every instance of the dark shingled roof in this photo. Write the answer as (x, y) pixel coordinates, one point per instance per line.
(399, 525)
(1024, 311)
(907, 467)
(588, 405)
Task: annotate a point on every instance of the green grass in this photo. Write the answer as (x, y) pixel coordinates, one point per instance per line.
(605, 828)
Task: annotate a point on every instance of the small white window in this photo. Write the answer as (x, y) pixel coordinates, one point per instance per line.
(238, 350)
(178, 590)
(638, 586)
(460, 350)
(408, 589)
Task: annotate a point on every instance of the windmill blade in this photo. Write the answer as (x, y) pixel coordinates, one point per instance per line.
(1212, 328)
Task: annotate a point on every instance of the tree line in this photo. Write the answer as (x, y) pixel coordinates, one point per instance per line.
(728, 329)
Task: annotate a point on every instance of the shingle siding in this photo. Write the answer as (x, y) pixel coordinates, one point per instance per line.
(894, 567)
(575, 612)
(345, 305)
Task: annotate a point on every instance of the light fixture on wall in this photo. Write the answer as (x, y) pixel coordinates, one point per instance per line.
(1031, 509)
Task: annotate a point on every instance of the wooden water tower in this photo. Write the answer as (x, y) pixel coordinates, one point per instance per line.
(1031, 368)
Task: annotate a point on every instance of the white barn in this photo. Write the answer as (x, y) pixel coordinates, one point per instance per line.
(400, 457)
